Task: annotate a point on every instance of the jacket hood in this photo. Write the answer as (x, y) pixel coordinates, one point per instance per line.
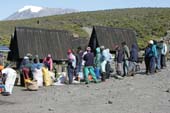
(97, 50)
(134, 46)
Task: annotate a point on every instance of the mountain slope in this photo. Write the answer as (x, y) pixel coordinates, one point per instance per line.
(149, 23)
(33, 11)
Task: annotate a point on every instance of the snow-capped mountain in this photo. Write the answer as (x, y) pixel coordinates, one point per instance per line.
(35, 11)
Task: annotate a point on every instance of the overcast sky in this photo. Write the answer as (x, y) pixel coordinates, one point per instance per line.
(7, 7)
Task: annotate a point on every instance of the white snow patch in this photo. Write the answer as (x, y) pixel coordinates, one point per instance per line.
(34, 9)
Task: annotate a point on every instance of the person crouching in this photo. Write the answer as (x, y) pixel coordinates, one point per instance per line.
(9, 76)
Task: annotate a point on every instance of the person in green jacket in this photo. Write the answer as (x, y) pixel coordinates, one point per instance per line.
(97, 63)
(126, 56)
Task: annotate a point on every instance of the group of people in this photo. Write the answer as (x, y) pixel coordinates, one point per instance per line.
(98, 64)
(126, 60)
(32, 69)
(87, 65)
(155, 56)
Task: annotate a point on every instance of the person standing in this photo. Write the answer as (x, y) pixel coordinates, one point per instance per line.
(103, 63)
(126, 56)
(147, 57)
(78, 55)
(133, 59)
(49, 62)
(108, 64)
(119, 59)
(89, 63)
(153, 55)
(163, 54)
(97, 62)
(71, 65)
(158, 60)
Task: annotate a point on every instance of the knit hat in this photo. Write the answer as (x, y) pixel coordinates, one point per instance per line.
(102, 47)
(49, 55)
(25, 57)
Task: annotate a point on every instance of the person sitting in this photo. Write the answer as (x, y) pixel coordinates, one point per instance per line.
(25, 69)
(49, 62)
(37, 72)
(2, 86)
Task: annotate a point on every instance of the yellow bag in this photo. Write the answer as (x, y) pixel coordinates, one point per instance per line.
(46, 77)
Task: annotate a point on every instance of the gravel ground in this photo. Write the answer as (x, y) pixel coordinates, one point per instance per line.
(138, 94)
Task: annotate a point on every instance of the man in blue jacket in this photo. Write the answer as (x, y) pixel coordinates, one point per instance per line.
(133, 59)
(153, 55)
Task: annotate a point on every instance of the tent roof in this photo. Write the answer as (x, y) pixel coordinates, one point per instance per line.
(110, 37)
(41, 42)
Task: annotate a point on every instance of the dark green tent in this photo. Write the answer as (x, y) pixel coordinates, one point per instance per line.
(110, 37)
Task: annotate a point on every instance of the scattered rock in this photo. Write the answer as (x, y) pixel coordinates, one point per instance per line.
(68, 92)
(97, 89)
(168, 90)
(50, 109)
(131, 89)
(110, 102)
(87, 86)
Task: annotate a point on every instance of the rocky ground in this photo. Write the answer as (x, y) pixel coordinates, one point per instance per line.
(138, 94)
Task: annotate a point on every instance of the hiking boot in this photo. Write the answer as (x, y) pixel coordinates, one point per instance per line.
(87, 82)
(103, 75)
(5, 93)
(96, 81)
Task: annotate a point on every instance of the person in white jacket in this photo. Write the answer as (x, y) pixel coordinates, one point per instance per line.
(163, 54)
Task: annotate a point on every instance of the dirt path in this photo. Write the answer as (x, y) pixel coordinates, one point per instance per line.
(139, 94)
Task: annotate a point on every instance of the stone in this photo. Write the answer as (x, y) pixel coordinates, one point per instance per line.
(110, 102)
